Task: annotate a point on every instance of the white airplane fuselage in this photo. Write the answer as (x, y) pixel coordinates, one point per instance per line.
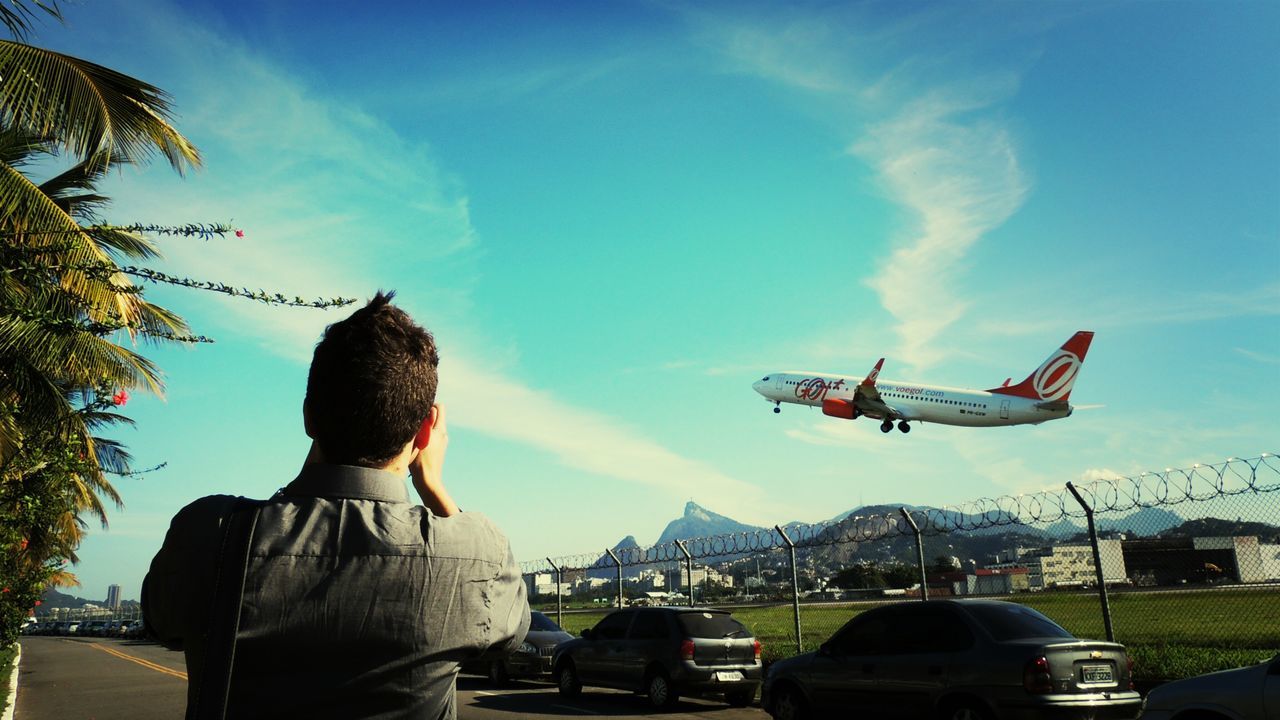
(913, 402)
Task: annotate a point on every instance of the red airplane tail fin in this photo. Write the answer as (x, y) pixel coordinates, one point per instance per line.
(1053, 380)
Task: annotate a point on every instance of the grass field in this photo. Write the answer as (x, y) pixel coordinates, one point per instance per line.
(1169, 634)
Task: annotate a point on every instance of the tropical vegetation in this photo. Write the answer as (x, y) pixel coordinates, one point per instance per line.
(71, 317)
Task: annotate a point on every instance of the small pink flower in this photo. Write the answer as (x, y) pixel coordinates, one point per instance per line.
(6, 590)
(120, 398)
(24, 543)
(239, 233)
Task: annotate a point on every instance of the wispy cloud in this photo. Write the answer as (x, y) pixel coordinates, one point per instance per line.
(961, 179)
(335, 202)
(940, 148)
(1123, 309)
(1259, 357)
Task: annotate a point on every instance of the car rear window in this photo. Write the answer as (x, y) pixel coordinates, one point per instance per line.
(542, 623)
(1014, 622)
(712, 625)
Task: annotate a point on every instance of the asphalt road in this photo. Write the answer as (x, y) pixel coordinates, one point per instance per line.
(106, 679)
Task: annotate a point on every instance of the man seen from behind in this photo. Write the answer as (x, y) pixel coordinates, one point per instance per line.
(338, 597)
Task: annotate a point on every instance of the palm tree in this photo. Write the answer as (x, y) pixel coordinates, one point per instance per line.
(62, 296)
(63, 300)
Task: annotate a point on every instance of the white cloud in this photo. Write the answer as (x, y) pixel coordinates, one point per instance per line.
(335, 203)
(938, 148)
(961, 179)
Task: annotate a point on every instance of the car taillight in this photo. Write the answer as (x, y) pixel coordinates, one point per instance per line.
(686, 649)
(1036, 678)
(1129, 659)
(755, 646)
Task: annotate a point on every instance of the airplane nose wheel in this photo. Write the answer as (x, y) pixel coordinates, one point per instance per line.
(904, 427)
(886, 426)
(777, 407)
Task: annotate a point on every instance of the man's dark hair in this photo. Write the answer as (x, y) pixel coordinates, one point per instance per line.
(372, 383)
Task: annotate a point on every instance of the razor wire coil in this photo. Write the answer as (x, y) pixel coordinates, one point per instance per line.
(1199, 483)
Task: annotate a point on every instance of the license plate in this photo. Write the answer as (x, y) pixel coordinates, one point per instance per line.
(728, 676)
(1094, 674)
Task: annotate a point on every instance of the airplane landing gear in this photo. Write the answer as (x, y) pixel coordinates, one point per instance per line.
(777, 407)
(904, 427)
(886, 426)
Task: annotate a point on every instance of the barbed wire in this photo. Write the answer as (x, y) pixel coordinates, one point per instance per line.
(1201, 482)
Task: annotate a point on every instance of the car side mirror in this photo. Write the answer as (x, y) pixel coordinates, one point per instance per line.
(825, 650)
(586, 633)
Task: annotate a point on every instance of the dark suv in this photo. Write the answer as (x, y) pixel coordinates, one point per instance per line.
(664, 653)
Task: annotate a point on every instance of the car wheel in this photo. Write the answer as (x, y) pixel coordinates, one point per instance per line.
(789, 704)
(740, 698)
(965, 710)
(567, 680)
(498, 675)
(661, 693)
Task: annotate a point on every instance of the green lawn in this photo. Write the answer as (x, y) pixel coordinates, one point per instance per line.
(1168, 634)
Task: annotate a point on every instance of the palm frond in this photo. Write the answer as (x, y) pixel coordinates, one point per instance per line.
(18, 15)
(88, 107)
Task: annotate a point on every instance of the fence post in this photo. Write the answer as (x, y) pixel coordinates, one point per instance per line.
(1097, 564)
(688, 566)
(915, 529)
(795, 586)
(559, 609)
(619, 564)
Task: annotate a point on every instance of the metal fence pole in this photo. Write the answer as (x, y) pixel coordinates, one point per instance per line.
(1097, 564)
(915, 529)
(688, 566)
(619, 563)
(559, 595)
(795, 586)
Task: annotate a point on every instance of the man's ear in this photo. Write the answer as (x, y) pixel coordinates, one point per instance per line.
(423, 438)
(306, 420)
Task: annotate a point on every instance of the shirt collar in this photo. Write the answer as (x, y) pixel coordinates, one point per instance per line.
(348, 481)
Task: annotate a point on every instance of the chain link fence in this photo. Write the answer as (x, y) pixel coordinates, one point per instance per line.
(1182, 566)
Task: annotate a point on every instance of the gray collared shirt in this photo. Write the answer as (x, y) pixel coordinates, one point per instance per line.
(357, 603)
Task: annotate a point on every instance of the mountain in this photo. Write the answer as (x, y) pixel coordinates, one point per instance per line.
(1213, 527)
(1146, 522)
(699, 522)
(603, 567)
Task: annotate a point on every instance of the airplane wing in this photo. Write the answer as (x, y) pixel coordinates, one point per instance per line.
(867, 398)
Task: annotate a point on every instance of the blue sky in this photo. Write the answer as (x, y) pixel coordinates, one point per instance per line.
(616, 216)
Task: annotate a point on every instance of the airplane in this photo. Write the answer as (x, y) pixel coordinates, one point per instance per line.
(1039, 398)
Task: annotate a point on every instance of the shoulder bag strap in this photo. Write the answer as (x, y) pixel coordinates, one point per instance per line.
(224, 623)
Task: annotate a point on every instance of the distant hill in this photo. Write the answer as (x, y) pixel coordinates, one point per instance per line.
(1146, 522)
(1213, 527)
(53, 598)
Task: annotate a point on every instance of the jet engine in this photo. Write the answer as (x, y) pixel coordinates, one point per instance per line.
(836, 407)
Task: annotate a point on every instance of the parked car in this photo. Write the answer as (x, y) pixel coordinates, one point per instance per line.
(93, 628)
(122, 629)
(71, 628)
(531, 659)
(1248, 693)
(663, 653)
(954, 660)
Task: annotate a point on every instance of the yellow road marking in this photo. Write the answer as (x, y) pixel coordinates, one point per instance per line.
(144, 663)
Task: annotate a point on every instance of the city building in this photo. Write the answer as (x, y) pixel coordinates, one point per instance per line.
(1176, 560)
(113, 597)
(1066, 565)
